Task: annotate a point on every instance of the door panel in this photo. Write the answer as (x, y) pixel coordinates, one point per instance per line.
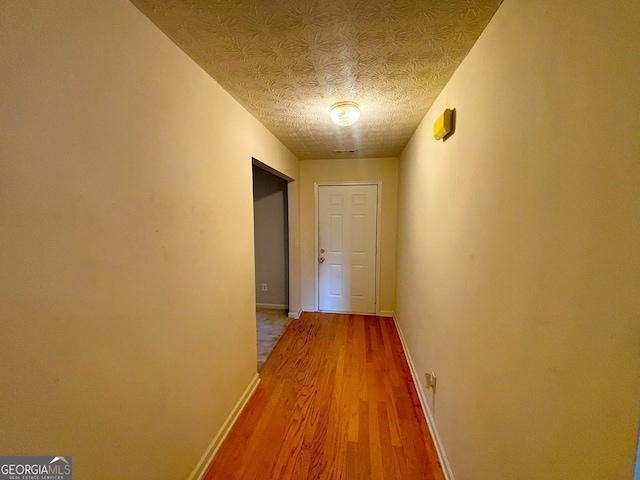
(347, 217)
(335, 280)
(335, 233)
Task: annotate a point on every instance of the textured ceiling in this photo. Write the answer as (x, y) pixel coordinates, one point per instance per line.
(288, 61)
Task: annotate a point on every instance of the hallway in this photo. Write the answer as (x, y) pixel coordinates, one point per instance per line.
(508, 251)
(336, 401)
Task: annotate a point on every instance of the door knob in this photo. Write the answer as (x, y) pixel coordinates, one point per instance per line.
(321, 259)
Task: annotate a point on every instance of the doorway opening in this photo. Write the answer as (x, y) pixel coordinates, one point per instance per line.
(271, 244)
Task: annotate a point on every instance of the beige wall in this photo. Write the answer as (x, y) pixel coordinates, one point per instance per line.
(270, 233)
(518, 246)
(367, 169)
(126, 242)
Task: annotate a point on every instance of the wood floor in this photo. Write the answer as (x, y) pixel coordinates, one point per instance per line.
(336, 401)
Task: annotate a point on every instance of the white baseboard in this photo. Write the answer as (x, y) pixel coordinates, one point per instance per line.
(382, 313)
(272, 305)
(446, 468)
(204, 463)
(295, 315)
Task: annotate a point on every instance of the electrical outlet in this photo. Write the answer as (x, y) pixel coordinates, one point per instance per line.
(264, 287)
(430, 380)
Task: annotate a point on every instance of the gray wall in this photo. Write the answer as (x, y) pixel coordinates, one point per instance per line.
(271, 249)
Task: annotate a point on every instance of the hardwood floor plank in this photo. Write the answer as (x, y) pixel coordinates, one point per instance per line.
(302, 464)
(400, 462)
(353, 469)
(336, 401)
(364, 451)
(385, 439)
(375, 446)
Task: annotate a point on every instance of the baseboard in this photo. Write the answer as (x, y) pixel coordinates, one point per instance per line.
(295, 315)
(272, 305)
(204, 463)
(382, 313)
(446, 468)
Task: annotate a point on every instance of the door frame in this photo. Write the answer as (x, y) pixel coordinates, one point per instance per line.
(316, 278)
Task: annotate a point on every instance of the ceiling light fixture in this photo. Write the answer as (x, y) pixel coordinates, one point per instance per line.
(345, 113)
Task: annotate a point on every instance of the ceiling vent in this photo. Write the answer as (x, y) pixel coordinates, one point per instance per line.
(342, 152)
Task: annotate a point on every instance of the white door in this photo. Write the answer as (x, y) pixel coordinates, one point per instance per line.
(347, 226)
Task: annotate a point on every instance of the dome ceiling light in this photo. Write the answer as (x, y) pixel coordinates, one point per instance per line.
(345, 113)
